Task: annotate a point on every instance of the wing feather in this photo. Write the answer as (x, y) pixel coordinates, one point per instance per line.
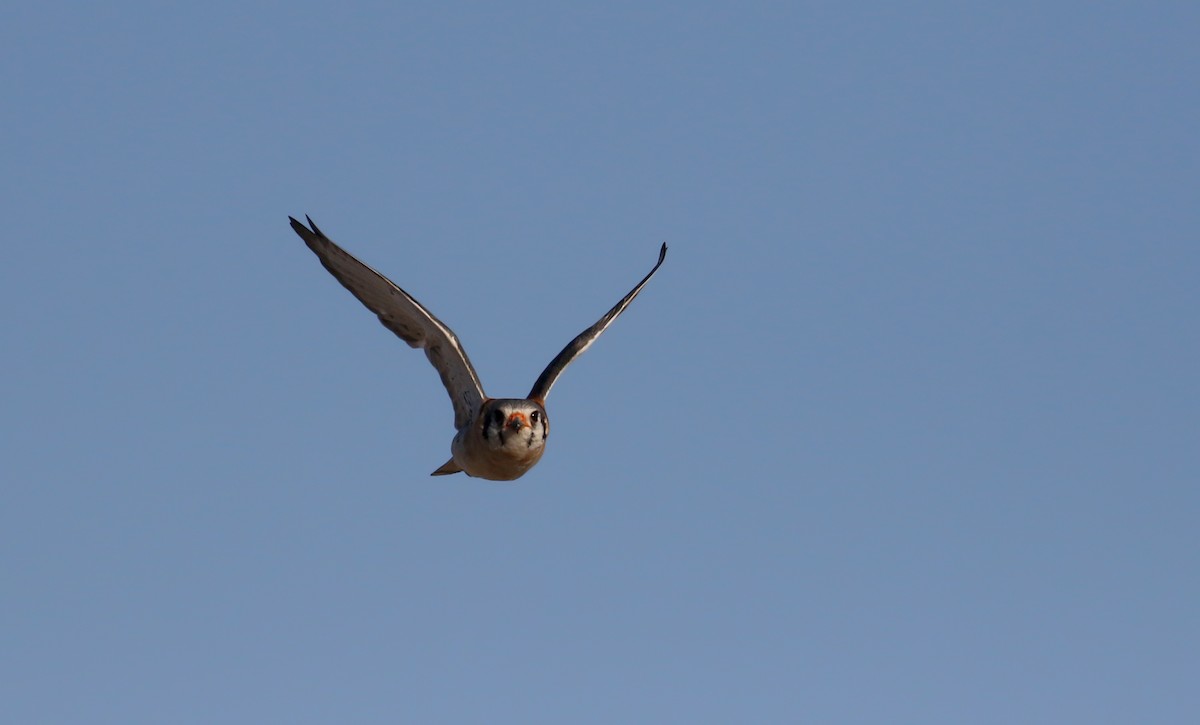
(584, 340)
(403, 315)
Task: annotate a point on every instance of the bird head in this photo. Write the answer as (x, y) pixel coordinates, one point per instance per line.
(514, 423)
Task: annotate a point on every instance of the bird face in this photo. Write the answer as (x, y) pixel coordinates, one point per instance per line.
(513, 424)
(506, 439)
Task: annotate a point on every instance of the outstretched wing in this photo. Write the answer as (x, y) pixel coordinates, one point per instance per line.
(403, 315)
(584, 340)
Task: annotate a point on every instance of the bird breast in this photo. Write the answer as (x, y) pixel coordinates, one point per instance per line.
(498, 454)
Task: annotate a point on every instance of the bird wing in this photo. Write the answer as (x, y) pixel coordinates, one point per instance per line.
(403, 315)
(584, 340)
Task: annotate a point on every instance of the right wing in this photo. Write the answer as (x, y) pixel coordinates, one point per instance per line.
(403, 315)
(584, 340)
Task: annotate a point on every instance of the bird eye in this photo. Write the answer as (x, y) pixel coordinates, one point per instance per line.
(535, 416)
(498, 416)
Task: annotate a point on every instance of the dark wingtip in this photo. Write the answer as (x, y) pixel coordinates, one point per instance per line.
(299, 228)
(662, 253)
(313, 224)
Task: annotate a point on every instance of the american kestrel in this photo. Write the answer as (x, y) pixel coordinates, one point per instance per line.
(498, 438)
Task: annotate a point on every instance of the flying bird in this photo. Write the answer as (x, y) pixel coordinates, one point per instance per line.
(497, 438)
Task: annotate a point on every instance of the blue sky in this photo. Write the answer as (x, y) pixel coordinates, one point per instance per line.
(904, 430)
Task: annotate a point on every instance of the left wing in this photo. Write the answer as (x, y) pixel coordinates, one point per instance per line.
(585, 339)
(403, 315)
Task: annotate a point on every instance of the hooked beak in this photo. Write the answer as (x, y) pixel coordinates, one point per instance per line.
(517, 421)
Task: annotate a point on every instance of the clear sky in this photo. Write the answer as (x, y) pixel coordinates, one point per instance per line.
(906, 429)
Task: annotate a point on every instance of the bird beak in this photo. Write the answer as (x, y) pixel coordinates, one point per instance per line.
(517, 421)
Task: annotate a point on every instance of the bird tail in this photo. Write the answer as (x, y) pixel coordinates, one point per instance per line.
(449, 467)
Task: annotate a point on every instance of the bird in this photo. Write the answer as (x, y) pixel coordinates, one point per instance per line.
(497, 439)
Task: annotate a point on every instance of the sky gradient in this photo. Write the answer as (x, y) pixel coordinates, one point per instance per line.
(904, 430)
